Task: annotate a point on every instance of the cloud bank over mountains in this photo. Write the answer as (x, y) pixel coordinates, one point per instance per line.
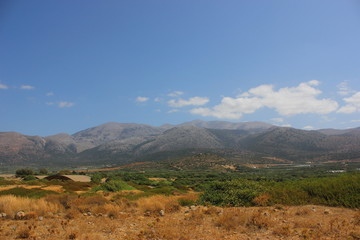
(286, 101)
(305, 98)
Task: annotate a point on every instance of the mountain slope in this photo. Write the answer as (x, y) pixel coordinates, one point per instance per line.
(112, 131)
(126, 142)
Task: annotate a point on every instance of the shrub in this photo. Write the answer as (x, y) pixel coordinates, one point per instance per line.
(96, 178)
(24, 172)
(343, 191)
(186, 202)
(29, 178)
(239, 192)
(30, 193)
(43, 171)
(114, 186)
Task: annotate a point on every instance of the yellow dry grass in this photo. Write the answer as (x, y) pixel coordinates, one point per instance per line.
(96, 217)
(11, 205)
(55, 188)
(19, 186)
(156, 203)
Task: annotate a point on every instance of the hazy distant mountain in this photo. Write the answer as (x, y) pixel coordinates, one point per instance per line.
(347, 132)
(126, 142)
(250, 126)
(112, 131)
(60, 143)
(182, 137)
(18, 148)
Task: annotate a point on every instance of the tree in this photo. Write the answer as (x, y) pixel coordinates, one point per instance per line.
(43, 171)
(96, 178)
(24, 172)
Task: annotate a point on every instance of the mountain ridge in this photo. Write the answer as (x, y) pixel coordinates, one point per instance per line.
(126, 142)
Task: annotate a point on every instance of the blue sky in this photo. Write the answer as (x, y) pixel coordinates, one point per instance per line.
(69, 65)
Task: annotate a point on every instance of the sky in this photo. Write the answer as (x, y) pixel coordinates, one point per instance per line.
(69, 65)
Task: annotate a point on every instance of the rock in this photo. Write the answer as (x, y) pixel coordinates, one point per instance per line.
(41, 218)
(89, 213)
(327, 211)
(193, 207)
(2, 215)
(19, 215)
(161, 212)
(147, 213)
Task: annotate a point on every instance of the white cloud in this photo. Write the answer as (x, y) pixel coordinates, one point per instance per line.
(308, 127)
(65, 104)
(49, 94)
(3, 86)
(286, 101)
(314, 83)
(278, 120)
(355, 121)
(286, 125)
(142, 99)
(175, 94)
(62, 104)
(157, 99)
(27, 87)
(344, 89)
(195, 101)
(173, 110)
(353, 104)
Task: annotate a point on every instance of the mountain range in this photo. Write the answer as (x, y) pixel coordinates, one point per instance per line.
(242, 142)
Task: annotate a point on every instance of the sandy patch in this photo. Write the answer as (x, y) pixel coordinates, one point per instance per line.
(55, 188)
(18, 186)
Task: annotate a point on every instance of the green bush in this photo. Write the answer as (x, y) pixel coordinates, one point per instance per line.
(24, 172)
(30, 193)
(343, 190)
(96, 178)
(238, 192)
(29, 178)
(114, 186)
(186, 202)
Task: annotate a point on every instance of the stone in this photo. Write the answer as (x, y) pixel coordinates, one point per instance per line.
(41, 218)
(20, 215)
(327, 211)
(193, 207)
(161, 212)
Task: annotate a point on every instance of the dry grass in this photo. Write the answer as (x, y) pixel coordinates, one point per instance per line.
(125, 219)
(156, 203)
(11, 205)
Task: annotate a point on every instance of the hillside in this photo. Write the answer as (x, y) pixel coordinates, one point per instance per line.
(120, 143)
